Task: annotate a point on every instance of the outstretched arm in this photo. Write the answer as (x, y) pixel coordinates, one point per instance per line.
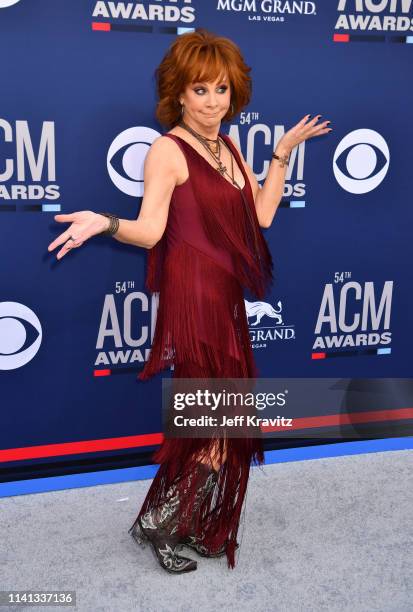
(160, 176)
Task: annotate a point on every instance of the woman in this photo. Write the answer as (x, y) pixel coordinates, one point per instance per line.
(202, 229)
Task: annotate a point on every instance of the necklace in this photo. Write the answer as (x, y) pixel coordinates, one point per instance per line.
(201, 138)
(222, 169)
(215, 154)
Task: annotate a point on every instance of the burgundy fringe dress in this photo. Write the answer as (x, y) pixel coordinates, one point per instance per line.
(212, 249)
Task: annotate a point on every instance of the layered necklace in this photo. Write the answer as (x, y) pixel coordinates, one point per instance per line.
(213, 146)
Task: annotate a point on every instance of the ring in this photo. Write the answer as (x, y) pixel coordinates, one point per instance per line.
(73, 239)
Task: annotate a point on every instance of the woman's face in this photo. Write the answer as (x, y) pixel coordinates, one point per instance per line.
(207, 103)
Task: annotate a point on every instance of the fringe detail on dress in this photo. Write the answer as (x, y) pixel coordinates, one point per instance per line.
(204, 323)
(231, 223)
(155, 263)
(202, 330)
(218, 518)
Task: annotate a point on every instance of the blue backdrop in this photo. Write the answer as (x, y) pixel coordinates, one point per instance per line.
(76, 120)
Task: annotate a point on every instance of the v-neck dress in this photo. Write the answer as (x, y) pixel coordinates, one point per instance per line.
(211, 250)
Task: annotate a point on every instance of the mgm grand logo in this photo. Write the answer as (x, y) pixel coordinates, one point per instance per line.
(266, 324)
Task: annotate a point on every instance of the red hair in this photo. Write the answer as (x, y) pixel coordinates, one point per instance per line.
(200, 56)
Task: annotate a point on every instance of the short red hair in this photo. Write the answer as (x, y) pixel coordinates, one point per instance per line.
(200, 56)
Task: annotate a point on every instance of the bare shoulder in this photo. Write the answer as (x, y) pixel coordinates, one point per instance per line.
(168, 153)
(162, 156)
(163, 146)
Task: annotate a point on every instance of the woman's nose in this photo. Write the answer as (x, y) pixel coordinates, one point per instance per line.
(212, 102)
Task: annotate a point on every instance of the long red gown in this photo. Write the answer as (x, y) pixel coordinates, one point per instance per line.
(212, 249)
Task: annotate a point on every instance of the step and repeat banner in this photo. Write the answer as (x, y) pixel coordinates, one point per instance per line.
(77, 117)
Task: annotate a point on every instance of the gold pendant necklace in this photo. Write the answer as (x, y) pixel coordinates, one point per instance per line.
(215, 154)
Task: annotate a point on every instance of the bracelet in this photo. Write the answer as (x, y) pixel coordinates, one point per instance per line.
(113, 225)
(283, 159)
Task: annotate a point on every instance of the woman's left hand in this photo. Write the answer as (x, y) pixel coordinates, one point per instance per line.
(302, 131)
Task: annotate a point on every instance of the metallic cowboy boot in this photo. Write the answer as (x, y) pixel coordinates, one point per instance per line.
(158, 526)
(193, 540)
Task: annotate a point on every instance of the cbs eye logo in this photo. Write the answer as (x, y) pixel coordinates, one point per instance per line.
(361, 161)
(20, 335)
(6, 3)
(126, 156)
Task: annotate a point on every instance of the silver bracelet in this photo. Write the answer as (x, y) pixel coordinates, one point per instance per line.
(113, 224)
(283, 159)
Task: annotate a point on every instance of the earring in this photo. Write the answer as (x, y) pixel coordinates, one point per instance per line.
(232, 107)
(182, 109)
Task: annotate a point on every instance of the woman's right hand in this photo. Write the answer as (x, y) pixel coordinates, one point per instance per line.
(84, 225)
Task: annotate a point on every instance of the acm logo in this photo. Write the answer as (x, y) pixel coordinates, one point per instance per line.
(40, 163)
(122, 337)
(354, 315)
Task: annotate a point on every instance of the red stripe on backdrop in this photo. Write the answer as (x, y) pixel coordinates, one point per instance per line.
(344, 419)
(93, 446)
(102, 27)
(74, 448)
(341, 38)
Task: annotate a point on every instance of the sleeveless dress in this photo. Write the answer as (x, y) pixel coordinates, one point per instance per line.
(212, 249)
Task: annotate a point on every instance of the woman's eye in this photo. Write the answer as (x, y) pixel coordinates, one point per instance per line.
(224, 88)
